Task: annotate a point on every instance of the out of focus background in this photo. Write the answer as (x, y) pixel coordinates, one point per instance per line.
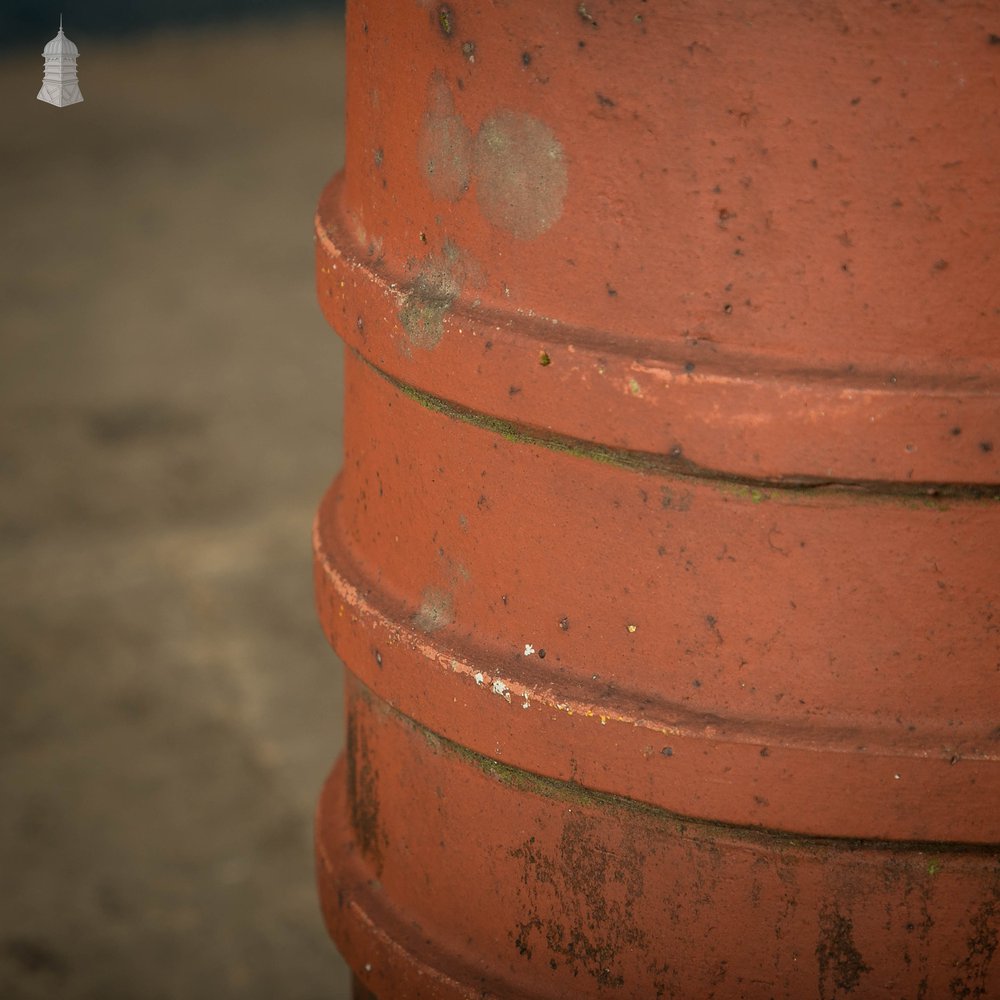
(169, 416)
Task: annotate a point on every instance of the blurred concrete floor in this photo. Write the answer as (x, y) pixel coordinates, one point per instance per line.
(169, 415)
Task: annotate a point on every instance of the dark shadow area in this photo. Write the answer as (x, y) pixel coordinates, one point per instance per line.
(24, 22)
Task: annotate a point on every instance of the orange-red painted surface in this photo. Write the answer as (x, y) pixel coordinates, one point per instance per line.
(665, 560)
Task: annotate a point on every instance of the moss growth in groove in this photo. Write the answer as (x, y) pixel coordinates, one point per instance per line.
(933, 496)
(580, 796)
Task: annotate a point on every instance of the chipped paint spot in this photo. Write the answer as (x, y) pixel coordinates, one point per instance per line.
(498, 687)
(479, 679)
(529, 650)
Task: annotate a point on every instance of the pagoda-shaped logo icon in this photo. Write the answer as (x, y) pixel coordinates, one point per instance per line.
(59, 85)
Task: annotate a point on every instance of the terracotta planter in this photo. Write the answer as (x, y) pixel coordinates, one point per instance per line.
(665, 561)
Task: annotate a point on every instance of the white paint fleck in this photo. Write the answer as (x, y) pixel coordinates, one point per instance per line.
(501, 689)
(525, 703)
(897, 776)
(368, 966)
(479, 678)
(528, 649)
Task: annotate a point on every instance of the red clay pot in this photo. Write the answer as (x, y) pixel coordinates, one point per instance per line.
(664, 561)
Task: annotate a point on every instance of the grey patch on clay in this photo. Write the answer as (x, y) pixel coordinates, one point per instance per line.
(427, 303)
(462, 266)
(444, 147)
(521, 177)
(434, 291)
(435, 611)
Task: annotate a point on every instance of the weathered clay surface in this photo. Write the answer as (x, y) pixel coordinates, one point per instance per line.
(664, 558)
(546, 889)
(716, 649)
